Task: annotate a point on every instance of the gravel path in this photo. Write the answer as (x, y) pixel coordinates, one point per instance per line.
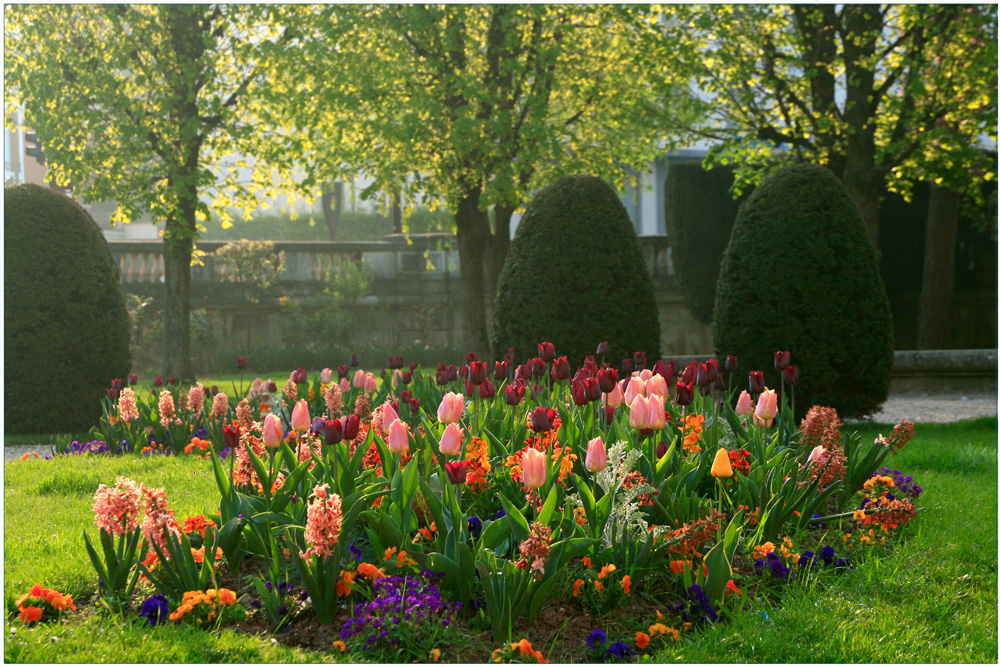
(916, 407)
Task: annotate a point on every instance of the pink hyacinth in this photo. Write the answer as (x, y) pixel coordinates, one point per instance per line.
(127, 411)
(167, 410)
(334, 399)
(160, 519)
(323, 521)
(196, 399)
(116, 509)
(220, 406)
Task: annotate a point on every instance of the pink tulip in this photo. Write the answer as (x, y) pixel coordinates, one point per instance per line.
(451, 440)
(399, 438)
(345, 386)
(638, 415)
(450, 410)
(636, 387)
(614, 397)
(325, 376)
(645, 374)
(657, 412)
(388, 416)
(533, 468)
(767, 408)
(272, 431)
(371, 384)
(817, 452)
(359, 379)
(657, 386)
(744, 406)
(300, 416)
(597, 456)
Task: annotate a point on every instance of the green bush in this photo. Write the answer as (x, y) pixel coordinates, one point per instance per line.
(65, 319)
(800, 275)
(575, 276)
(700, 212)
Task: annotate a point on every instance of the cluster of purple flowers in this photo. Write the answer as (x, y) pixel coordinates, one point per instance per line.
(695, 607)
(92, 447)
(904, 483)
(400, 601)
(617, 651)
(772, 563)
(155, 610)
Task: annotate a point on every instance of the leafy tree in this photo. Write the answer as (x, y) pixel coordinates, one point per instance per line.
(479, 105)
(138, 104)
(882, 95)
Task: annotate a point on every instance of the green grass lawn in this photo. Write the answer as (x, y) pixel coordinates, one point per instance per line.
(933, 598)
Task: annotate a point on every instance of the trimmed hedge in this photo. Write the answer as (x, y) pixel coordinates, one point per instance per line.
(800, 275)
(575, 276)
(700, 212)
(66, 326)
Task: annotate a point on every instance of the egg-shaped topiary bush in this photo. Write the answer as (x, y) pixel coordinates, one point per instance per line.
(800, 275)
(66, 329)
(575, 276)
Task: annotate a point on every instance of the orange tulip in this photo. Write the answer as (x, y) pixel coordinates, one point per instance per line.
(721, 466)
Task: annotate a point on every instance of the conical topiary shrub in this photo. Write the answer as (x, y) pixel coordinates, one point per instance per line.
(800, 275)
(575, 276)
(66, 329)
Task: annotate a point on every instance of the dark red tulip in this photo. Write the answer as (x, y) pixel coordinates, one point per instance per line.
(781, 360)
(541, 419)
(414, 405)
(333, 431)
(730, 363)
(452, 373)
(351, 425)
(756, 381)
(353, 360)
(299, 376)
(537, 367)
(593, 389)
(442, 377)
(607, 378)
(343, 370)
(158, 381)
(405, 377)
(231, 435)
(660, 368)
(685, 393)
(470, 389)
(241, 363)
(413, 366)
(395, 406)
(173, 381)
(486, 389)
(271, 387)
(523, 372)
(457, 471)
(133, 378)
(578, 390)
(117, 384)
(604, 349)
(627, 367)
(712, 366)
(547, 351)
(513, 393)
(719, 383)
(661, 449)
(215, 390)
(477, 372)
(405, 395)
(609, 414)
(673, 367)
(705, 389)
(639, 357)
(463, 371)
(471, 356)
(690, 373)
(112, 396)
(500, 371)
(791, 374)
(560, 369)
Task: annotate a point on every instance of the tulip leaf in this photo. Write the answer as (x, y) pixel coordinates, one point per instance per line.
(719, 572)
(550, 505)
(518, 524)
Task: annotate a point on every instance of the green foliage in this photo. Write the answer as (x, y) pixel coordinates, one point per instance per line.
(800, 275)
(700, 212)
(575, 276)
(316, 322)
(64, 313)
(253, 265)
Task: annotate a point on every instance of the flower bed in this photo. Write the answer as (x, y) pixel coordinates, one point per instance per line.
(489, 502)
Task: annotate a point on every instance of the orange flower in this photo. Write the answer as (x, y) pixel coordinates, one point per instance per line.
(762, 550)
(678, 566)
(627, 585)
(370, 572)
(676, 635)
(606, 570)
(37, 591)
(31, 614)
(586, 561)
(657, 629)
(345, 582)
(227, 597)
(731, 587)
(389, 553)
(641, 640)
(340, 646)
(577, 585)
(599, 586)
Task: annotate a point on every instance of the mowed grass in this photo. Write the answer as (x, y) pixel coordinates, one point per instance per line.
(933, 598)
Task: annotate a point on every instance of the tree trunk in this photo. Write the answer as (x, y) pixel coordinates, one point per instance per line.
(934, 323)
(496, 252)
(473, 235)
(333, 203)
(396, 215)
(177, 247)
(865, 188)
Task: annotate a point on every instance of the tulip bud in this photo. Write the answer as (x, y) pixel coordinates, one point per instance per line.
(560, 369)
(405, 395)
(756, 381)
(604, 349)
(405, 376)
(609, 414)
(731, 363)
(627, 367)
(333, 431)
(133, 378)
(354, 360)
(457, 471)
(300, 416)
(215, 390)
(413, 366)
(816, 453)
(173, 381)
(744, 406)
(719, 384)
(685, 393)
(399, 438)
(272, 431)
(325, 376)
(441, 377)
(541, 419)
(509, 357)
(158, 381)
(660, 368)
(614, 397)
(450, 410)
(645, 374)
(791, 374)
(271, 386)
(593, 389)
(523, 372)
(477, 372)
(690, 373)
(487, 390)
(661, 450)
(463, 371)
(638, 416)
(636, 387)
(597, 456)
(470, 389)
(533, 468)
(657, 412)
(345, 386)
(537, 367)
(342, 371)
(781, 360)
(471, 356)
(452, 373)
(414, 404)
(721, 466)
(231, 435)
(607, 378)
(500, 371)
(299, 376)
(767, 408)
(359, 379)
(513, 393)
(371, 384)
(389, 415)
(547, 352)
(656, 385)
(451, 440)
(351, 426)
(578, 391)
(639, 357)
(241, 363)
(712, 366)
